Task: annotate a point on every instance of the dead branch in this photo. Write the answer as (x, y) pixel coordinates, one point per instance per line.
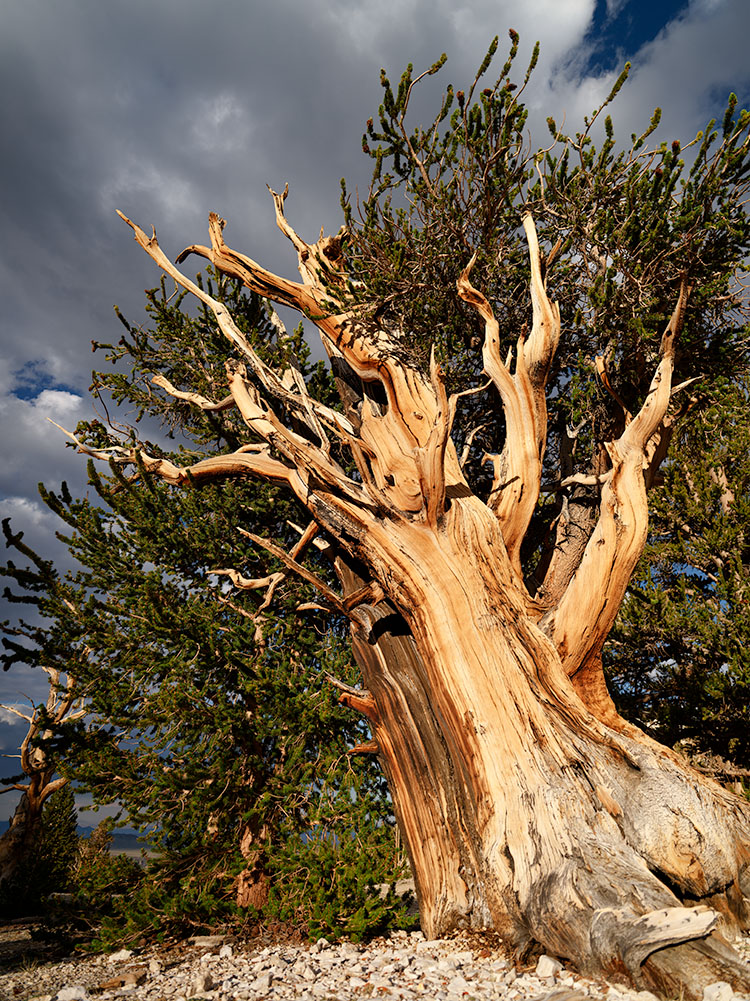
(584, 614)
(194, 398)
(517, 470)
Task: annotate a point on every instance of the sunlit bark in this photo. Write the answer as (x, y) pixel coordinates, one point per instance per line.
(528, 805)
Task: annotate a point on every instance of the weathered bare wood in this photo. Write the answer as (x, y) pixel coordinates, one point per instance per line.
(518, 469)
(195, 398)
(527, 804)
(586, 611)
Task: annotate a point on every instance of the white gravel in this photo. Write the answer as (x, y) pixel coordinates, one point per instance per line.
(402, 967)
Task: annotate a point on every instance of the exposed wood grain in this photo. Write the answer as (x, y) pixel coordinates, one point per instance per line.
(527, 804)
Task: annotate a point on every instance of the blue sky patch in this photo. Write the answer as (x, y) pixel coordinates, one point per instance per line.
(620, 28)
(33, 378)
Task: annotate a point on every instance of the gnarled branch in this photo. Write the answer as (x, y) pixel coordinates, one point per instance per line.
(584, 615)
(518, 469)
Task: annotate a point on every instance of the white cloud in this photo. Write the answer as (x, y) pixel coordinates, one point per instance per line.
(9, 718)
(463, 30)
(26, 511)
(33, 449)
(137, 181)
(220, 125)
(558, 25)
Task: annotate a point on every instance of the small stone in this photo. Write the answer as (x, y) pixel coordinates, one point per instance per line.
(226, 951)
(77, 992)
(119, 957)
(201, 983)
(154, 967)
(262, 983)
(207, 941)
(457, 986)
(547, 967)
(720, 991)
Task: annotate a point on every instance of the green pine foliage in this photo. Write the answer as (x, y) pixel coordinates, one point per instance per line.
(340, 875)
(100, 873)
(57, 852)
(210, 720)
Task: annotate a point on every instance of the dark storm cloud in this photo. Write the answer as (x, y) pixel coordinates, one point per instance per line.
(120, 105)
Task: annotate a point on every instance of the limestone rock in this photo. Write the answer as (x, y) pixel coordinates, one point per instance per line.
(720, 991)
(548, 968)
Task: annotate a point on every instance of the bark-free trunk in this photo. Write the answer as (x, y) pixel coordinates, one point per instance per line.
(528, 805)
(523, 812)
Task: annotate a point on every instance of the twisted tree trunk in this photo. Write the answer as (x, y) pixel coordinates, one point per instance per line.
(524, 813)
(528, 805)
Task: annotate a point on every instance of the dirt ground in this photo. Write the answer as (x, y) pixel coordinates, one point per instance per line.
(21, 944)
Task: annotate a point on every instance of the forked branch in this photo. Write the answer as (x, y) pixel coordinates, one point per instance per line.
(386, 446)
(584, 615)
(518, 468)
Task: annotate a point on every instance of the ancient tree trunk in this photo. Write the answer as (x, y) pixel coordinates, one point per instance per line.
(18, 843)
(528, 805)
(527, 815)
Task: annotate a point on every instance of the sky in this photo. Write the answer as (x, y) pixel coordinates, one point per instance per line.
(170, 109)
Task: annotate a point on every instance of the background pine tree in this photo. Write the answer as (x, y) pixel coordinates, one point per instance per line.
(210, 721)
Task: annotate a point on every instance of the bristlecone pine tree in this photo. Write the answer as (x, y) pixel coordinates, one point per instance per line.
(37, 781)
(479, 605)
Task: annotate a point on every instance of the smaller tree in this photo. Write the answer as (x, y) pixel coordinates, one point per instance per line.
(50, 867)
(37, 781)
(54, 864)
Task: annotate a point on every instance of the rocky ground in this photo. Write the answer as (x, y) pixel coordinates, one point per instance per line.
(402, 967)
